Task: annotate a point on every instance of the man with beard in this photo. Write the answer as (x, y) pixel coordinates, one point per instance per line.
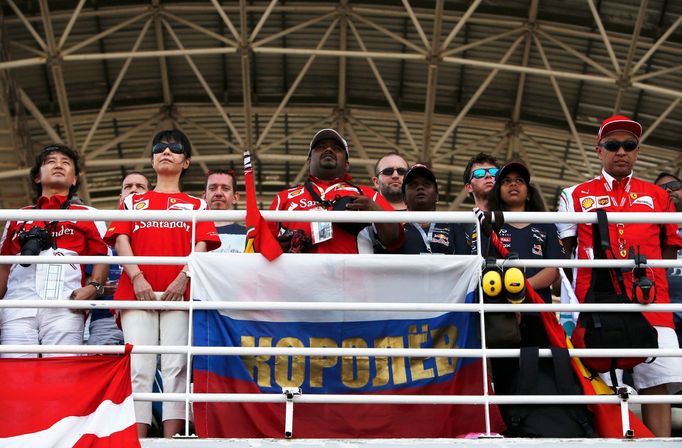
(329, 187)
(388, 180)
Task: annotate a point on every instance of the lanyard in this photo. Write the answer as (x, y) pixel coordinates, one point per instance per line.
(426, 237)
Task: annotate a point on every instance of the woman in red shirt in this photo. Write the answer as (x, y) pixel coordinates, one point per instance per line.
(171, 154)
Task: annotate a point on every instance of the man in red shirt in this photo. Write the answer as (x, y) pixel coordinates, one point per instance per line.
(55, 180)
(617, 190)
(325, 189)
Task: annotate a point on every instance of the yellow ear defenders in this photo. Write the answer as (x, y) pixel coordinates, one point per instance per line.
(499, 284)
(491, 282)
(515, 284)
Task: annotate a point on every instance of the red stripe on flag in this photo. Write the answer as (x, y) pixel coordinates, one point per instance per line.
(46, 390)
(257, 420)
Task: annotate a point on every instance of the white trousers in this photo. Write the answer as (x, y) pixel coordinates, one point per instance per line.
(143, 327)
(47, 327)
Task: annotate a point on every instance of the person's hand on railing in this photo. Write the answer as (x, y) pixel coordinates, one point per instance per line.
(176, 290)
(142, 288)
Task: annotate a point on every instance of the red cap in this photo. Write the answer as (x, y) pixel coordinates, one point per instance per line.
(619, 123)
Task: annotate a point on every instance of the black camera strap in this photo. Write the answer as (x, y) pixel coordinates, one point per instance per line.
(51, 224)
(326, 203)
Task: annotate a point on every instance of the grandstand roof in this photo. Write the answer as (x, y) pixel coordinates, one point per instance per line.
(435, 80)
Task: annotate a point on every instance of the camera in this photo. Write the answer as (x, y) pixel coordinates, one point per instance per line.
(33, 241)
(339, 204)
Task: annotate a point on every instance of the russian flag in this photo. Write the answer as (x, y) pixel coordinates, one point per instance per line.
(74, 401)
(338, 278)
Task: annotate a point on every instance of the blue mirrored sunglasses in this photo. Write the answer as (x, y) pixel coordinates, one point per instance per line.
(480, 173)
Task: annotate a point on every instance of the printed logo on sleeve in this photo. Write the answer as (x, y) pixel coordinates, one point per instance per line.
(587, 203)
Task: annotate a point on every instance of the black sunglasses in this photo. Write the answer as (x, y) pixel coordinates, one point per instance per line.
(615, 145)
(673, 185)
(175, 148)
(481, 172)
(389, 171)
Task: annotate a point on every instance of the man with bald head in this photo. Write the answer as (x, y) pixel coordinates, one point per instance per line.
(389, 172)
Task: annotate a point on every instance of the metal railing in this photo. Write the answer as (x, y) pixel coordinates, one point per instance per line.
(484, 353)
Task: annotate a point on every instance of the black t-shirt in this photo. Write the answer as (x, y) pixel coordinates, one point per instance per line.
(438, 238)
(535, 241)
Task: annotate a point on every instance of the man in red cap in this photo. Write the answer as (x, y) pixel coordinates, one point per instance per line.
(329, 187)
(617, 190)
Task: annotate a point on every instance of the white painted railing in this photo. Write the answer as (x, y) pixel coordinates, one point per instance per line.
(484, 353)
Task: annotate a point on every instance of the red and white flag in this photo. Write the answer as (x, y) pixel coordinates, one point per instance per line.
(79, 401)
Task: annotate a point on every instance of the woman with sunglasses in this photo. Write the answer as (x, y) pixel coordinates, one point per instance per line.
(171, 157)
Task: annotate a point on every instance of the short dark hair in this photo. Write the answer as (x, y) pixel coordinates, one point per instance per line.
(40, 160)
(479, 158)
(176, 136)
(139, 173)
(230, 173)
(664, 174)
(392, 153)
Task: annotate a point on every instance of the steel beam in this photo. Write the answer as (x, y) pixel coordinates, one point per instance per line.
(386, 92)
(482, 87)
(564, 108)
(625, 74)
(114, 88)
(431, 83)
(204, 84)
(294, 85)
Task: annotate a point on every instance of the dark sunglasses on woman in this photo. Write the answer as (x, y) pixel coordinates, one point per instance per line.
(175, 148)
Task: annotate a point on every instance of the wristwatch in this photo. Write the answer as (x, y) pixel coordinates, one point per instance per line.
(99, 288)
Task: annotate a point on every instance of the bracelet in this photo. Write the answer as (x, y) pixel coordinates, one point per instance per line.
(135, 275)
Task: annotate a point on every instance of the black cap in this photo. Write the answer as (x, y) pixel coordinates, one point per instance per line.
(418, 170)
(517, 166)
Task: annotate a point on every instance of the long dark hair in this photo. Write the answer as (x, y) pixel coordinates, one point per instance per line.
(534, 201)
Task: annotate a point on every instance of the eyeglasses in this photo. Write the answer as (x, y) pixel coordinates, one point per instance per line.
(480, 173)
(673, 185)
(389, 171)
(615, 145)
(175, 148)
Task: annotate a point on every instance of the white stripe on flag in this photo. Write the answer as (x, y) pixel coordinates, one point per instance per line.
(106, 420)
(334, 278)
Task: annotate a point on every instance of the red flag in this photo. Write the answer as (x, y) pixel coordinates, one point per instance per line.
(258, 235)
(607, 418)
(80, 401)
